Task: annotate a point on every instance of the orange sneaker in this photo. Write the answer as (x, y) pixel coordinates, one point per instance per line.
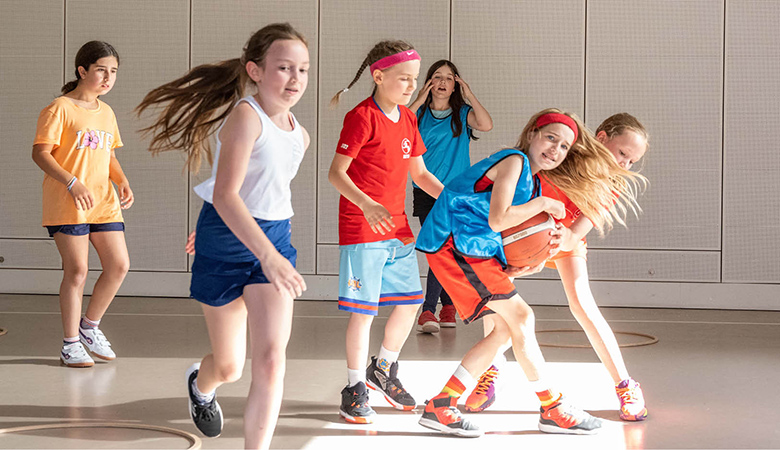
(484, 394)
(441, 414)
(632, 401)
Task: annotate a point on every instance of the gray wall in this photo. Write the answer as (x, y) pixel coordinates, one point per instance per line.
(700, 74)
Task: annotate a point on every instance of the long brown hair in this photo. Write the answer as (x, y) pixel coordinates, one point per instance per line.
(87, 55)
(201, 99)
(590, 176)
(456, 101)
(381, 50)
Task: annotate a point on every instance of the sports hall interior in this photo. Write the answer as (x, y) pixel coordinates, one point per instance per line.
(697, 269)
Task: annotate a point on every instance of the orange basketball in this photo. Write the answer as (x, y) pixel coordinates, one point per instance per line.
(528, 244)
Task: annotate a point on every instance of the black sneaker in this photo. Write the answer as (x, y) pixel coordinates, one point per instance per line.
(354, 404)
(389, 385)
(207, 417)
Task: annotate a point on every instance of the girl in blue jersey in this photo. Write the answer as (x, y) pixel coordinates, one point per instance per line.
(462, 242)
(447, 113)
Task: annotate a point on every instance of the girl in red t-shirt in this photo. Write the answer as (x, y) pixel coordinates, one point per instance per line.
(379, 145)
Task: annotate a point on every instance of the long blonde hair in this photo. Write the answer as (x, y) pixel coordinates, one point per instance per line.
(590, 176)
(201, 99)
(381, 50)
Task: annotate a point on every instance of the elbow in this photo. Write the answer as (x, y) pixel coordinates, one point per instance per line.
(332, 176)
(495, 224)
(488, 127)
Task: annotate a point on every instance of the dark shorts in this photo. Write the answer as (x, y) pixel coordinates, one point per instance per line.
(223, 266)
(82, 229)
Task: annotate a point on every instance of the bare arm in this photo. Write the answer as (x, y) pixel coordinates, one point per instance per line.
(575, 232)
(503, 214)
(42, 156)
(423, 178)
(117, 175)
(379, 219)
(478, 118)
(238, 135)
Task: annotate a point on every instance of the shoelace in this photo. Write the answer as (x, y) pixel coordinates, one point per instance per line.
(206, 412)
(628, 395)
(485, 380)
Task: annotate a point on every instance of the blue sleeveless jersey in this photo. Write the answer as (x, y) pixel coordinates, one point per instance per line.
(462, 213)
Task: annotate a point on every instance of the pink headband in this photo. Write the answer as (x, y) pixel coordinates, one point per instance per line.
(398, 58)
(549, 118)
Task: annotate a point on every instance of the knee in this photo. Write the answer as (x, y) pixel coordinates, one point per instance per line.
(228, 372)
(76, 275)
(269, 363)
(118, 268)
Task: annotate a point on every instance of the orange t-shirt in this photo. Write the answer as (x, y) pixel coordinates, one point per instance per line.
(82, 140)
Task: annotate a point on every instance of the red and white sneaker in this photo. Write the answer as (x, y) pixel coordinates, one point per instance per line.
(441, 414)
(447, 316)
(564, 418)
(427, 323)
(632, 401)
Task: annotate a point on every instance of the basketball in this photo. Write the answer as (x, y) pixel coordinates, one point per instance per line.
(528, 244)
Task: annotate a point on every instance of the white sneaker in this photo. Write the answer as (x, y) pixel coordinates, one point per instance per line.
(74, 355)
(96, 343)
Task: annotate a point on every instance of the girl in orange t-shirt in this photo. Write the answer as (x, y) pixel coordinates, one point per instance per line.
(75, 144)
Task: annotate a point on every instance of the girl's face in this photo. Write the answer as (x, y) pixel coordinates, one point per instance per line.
(549, 146)
(397, 83)
(284, 74)
(443, 82)
(100, 77)
(627, 147)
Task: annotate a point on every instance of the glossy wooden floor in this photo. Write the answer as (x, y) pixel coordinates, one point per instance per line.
(710, 382)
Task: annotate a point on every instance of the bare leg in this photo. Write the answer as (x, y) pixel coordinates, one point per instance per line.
(358, 337)
(478, 359)
(112, 250)
(74, 251)
(520, 320)
(398, 326)
(270, 324)
(227, 333)
(574, 276)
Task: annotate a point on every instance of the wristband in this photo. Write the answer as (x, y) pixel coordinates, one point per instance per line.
(72, 182)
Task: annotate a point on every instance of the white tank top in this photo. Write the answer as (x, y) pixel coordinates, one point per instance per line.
(272, 165)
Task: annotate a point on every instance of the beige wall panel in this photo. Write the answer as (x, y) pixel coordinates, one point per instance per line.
(519, 58)
(219, 32)
(29, 254)
(152, 39)
(649, 265)
(662, 62)
(31, 71)
(751, 208)
(348, 31)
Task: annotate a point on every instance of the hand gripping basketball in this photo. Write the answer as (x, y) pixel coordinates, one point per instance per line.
(528, 244)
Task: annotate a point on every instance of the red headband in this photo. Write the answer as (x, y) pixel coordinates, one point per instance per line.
(398, 58)
(546, 119)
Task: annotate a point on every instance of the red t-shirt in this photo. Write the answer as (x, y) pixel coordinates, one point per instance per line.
(381, 150)
(552, 191)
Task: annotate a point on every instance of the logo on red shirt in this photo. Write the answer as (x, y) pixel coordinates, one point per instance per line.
(406, 147)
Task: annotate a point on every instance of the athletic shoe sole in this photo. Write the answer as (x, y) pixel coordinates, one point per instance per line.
(428, 327)
(483, 407)
(434, 425)
(394, 403)
(447, 324)
(634, 418)
(77, 365)
(360, 420)
(555, 429)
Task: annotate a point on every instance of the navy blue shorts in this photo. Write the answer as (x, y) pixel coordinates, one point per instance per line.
(82, 229)
(223, 265)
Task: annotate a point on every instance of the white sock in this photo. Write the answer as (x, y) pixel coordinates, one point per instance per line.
(539, 385)
(499, 361)
(200, 396)
(465, 378)
(386, 358)
(69, 341)
(87, 324)
(355, 376)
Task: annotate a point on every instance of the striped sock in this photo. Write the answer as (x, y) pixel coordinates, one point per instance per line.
(548, 397)
(458, 382)
(87, 324)
(69, 340)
